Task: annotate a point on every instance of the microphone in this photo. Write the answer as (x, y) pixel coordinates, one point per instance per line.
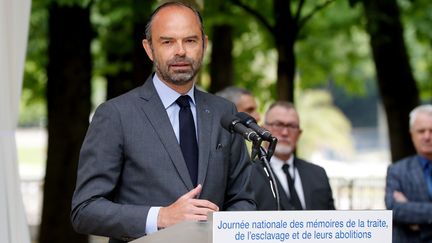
(250, 122)
(233, 124)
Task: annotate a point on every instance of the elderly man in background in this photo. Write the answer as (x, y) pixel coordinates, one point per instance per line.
(301, 184)
(409, 183)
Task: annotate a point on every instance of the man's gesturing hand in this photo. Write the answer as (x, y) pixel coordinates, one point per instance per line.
(186, 208)
(399, 197)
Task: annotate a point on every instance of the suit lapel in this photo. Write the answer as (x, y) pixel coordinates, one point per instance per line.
(154, 110)
(417, 175)
(204, 125)
(305, 182)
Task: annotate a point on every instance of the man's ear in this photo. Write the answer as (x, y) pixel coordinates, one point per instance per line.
(205, 42)
(147, 47)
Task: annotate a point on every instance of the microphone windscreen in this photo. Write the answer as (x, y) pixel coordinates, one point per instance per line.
(227, 121)
(245, 118)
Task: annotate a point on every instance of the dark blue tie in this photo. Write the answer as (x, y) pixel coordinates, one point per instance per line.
(294, 198)
(188, 142)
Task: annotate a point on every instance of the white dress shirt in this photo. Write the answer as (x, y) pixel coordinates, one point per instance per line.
(276, 165)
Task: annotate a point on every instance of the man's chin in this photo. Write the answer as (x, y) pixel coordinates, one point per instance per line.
(283, 149)
(179, 78)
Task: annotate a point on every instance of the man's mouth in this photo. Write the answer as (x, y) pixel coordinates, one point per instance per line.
(180, 66)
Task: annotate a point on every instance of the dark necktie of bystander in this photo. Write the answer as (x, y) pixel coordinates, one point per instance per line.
(429, 179)
(294, 199)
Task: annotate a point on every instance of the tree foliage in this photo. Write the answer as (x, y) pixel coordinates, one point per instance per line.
(336, 49)
(417, 18)
(32, 106)
(121, 60)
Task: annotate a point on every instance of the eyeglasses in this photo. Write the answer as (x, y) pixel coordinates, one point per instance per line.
(280, 126)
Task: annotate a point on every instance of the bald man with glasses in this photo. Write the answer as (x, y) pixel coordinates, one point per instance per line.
(301, 184)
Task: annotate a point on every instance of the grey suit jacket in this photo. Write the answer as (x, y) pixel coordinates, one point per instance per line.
(315, 183)
(407, 177)
(130, 161)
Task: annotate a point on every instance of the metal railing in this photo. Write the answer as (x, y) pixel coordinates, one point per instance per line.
(349, 194)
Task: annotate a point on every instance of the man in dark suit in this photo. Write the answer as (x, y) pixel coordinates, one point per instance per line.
(409, 184)
(134, 176)
(307, 186)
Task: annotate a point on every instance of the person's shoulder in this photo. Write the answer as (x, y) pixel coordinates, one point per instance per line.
(404, 162)
(124, 98)
(309, 165)
(119, 103)
(306, 163)
(212, 99)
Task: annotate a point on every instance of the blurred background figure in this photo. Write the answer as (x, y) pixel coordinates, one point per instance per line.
(243, 99)
(301, 185)
(409, 183)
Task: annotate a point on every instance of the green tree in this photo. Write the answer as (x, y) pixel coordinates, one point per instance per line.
(121, 59)
(416, 19)
(219, 19)
(287, 20)
(33, 104)
(396, 82)
(333, 49)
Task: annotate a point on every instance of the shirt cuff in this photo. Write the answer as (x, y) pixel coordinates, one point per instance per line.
(151, 223)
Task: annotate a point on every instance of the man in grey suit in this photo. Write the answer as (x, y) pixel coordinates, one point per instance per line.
(133, 177)
(309, 187)
(409, 183)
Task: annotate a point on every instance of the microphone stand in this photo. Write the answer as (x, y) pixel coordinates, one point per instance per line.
(256, 146)
(264, 158)
(271, 148)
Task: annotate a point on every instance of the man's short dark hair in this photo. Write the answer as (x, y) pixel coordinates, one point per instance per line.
(148, 34)
(233, 93)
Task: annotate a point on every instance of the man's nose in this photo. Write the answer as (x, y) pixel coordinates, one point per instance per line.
(180, 51)
(285, 131)
(256, 115)
(428, 134)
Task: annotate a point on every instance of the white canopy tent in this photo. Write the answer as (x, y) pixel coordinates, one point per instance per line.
(14, 22)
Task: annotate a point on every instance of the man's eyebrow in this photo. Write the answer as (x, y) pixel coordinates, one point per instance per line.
(191, 37)
(165, 38)
(187, 37)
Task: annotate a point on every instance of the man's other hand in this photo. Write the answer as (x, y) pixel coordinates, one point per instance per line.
(187, 207)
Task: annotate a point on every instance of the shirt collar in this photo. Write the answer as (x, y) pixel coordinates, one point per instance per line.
(279, 163)
(426, 164)
(167, 94)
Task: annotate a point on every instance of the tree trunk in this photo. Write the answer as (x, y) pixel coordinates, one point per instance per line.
(68, 98)
(285, 35)
(221, 65)
(395, 79)
(142, 66)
